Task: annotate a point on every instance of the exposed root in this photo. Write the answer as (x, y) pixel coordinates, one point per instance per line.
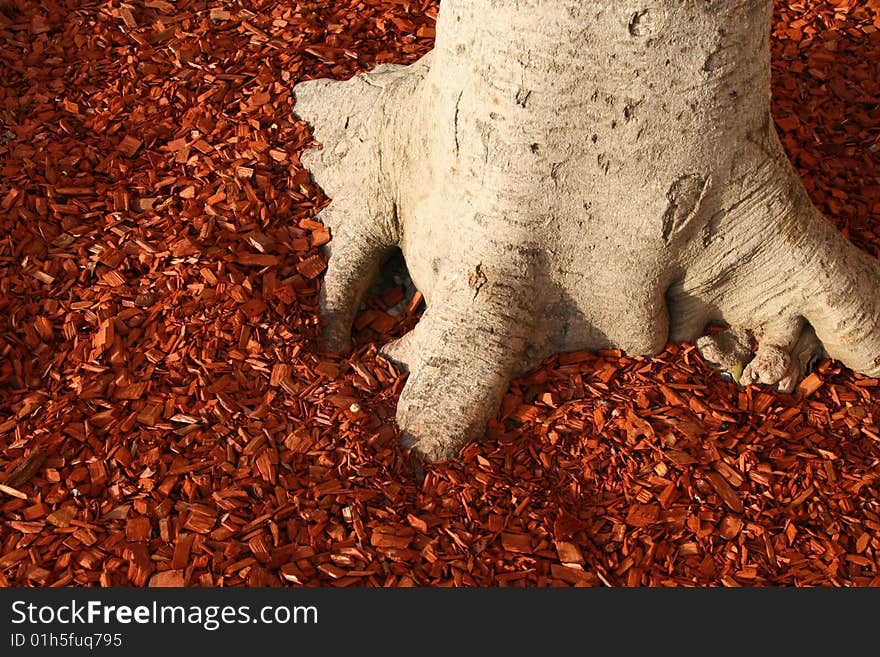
(728, 350)
(352, 267)
(842, 291)
(402, 350)
(809, 291)
(772, 366)
(461, 358)
(785, 353)
(352, 119)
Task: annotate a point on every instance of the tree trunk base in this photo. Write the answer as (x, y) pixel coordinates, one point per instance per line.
(532, 230)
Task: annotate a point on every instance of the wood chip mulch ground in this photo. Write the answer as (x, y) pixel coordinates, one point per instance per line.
(165, 415)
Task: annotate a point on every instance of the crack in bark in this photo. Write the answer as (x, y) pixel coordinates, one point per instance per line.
(477, 279)
(455, 122)
(684, 196)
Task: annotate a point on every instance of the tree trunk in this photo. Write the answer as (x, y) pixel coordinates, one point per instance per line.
(579, 174)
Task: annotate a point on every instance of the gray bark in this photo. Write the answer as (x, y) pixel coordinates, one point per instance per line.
(579, 174)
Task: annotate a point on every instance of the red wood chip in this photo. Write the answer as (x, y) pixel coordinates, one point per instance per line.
(642, 515)
(312, 266)
(168, 578)
(129, 145)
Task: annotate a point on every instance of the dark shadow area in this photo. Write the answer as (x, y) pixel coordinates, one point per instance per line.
(390, 307)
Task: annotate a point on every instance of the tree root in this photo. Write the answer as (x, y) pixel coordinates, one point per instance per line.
(350, 117)
(776, 361)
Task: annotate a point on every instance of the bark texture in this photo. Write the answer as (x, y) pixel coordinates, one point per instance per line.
(579, 174)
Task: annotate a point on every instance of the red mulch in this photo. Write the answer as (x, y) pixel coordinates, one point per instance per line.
(165, 416)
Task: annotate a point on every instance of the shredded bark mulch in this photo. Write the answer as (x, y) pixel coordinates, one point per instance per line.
(166, 418)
